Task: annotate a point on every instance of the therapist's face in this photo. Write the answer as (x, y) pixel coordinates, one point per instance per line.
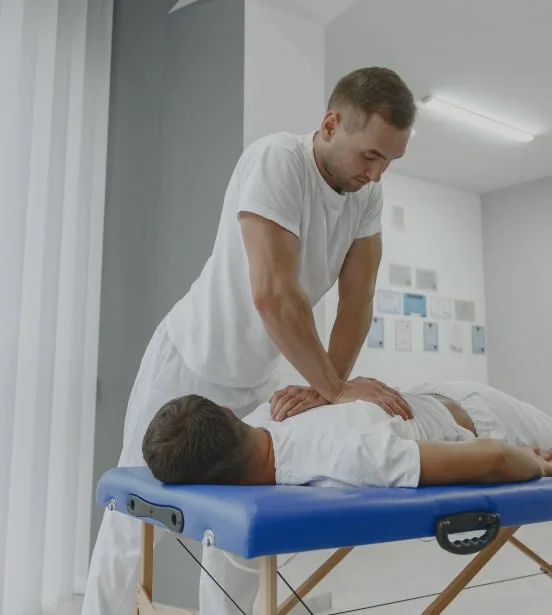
(354, 155)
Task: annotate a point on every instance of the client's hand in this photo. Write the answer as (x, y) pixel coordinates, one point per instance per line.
(293, 400)
(543, 457)
(370, 389)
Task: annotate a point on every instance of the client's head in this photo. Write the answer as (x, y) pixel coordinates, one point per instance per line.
(192, 440)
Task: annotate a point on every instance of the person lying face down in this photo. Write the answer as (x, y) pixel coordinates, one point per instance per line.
(462, 432)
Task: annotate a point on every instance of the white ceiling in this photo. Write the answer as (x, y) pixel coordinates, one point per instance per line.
(494, 56)
(317, 11)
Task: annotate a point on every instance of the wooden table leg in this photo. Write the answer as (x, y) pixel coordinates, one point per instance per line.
(544, 565)
(466, 575)
(268, 585)
(146, 564)
(320, 573)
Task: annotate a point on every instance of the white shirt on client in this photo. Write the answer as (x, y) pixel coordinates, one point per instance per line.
(215, 326)
(356, 444)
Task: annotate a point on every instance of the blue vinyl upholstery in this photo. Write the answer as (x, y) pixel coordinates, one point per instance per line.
(256, 521)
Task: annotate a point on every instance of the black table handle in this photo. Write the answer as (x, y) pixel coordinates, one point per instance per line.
(467, 522)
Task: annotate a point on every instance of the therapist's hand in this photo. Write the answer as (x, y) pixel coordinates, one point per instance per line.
(370, 389)
(293, 400)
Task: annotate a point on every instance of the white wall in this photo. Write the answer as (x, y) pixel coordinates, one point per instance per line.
(283, 90)
(442, 232)
(284, 72)
(517, 234)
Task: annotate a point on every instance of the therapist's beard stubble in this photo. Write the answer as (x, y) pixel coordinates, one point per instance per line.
(329, 171)
(334, 176)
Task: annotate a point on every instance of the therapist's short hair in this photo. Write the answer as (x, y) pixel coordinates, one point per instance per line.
(370, 90)
(192, 440)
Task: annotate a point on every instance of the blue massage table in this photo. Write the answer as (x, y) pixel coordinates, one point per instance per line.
(262, 522)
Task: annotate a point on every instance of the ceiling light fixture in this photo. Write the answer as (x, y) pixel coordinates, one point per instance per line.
(181, 4)
(475, 119)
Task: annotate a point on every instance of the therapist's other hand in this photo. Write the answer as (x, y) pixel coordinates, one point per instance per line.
(293, 400)
(370, 389)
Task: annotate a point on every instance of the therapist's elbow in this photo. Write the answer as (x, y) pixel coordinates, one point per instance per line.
(264, 300)
(271, 308)
(271, 302)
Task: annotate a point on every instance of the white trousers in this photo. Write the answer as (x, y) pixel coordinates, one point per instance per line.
(240, 583)
(113, 572)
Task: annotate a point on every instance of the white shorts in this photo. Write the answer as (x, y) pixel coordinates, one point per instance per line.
(496, 414)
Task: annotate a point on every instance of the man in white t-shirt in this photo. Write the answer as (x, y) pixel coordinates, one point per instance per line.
(461, 432)
(301, 212)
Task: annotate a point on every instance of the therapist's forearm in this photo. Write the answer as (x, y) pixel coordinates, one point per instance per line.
(351, 326)
(289, 321)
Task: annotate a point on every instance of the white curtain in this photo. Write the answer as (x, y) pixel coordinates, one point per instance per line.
(55, 60)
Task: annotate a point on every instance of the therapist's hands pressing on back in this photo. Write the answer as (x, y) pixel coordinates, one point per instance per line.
(293, 400)
(372, 390)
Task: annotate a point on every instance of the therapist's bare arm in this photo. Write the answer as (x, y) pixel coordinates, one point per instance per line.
(273, 254)
(480, 461)
(356, 287)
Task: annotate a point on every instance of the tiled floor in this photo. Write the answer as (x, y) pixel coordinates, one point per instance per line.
(392, 579)
(395, 574)
(530, 597)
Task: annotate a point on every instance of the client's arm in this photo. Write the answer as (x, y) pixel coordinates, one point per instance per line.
(479, 461)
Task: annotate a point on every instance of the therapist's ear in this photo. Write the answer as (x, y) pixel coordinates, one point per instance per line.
(329, 124)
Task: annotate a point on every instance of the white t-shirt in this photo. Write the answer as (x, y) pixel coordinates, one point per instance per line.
(356, 444)
(348, 444)
(215, 326)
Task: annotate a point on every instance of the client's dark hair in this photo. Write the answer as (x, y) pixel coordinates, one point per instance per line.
(193, 440)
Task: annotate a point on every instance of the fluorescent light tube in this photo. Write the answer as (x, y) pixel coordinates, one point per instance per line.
(475, 119)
